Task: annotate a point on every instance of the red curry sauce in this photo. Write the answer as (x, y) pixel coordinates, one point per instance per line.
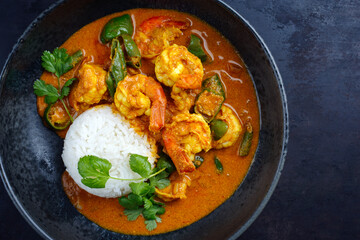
(208, 188)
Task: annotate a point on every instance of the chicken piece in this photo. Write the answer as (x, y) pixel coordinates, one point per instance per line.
(234, 128)
(90, 89)
(185, 136)
(176, 189)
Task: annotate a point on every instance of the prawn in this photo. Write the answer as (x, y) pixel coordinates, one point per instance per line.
(185, 136)
(141, 95)
(156, 33)
(91, 87)
(234, 128)
(176, 66)
(176, 189)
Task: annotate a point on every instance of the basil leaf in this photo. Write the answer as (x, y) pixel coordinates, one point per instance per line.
(140, 188)
(94, 170)
(150, 224)
(140, 165)
(133, 214)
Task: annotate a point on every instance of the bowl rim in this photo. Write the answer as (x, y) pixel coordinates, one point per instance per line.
(283, 97)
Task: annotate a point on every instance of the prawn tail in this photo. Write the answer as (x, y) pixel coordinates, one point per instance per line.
(177, 154)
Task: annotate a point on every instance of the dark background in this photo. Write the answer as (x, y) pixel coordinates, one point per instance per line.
(316, 45)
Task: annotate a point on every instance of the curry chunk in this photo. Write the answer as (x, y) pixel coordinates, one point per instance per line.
(90, 89)
(176, 189)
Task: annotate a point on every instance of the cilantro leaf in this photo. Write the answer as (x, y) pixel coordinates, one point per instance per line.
(133, 214)
(140, 165)
(49, 91)
(150, 213)
(131, 202)
(59, 62)
(48, 61)
(65, 90)
(94, 170)
(150, 224)
(140, 188)
(158, 219)
(147, 203)
(162, 183)
(165, 162)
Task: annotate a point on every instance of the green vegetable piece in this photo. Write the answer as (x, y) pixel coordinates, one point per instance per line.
(140, 165)
(218, 128)
(218, 164)
(209, 101)
(133, 214)
(94, 170)
(76, 57)
(246, 141)
(213, 84)
(198, 161)
(55, 125)
(131, 202)
(150, 224)
(208, 104)
(165, 162)
(115, 27)
(110, 84)
(196, 48)
(117, 71)
(132, 51)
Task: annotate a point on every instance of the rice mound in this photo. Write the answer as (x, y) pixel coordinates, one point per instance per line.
(103, 133)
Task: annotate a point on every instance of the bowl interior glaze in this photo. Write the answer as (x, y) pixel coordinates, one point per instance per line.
(31, 164)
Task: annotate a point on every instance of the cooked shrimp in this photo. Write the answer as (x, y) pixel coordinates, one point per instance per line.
(185, 136)
(176, 189)
(90, 89)
(138, 95)
(177, 66)
(156, 33)
(234, 128)
(184, 99)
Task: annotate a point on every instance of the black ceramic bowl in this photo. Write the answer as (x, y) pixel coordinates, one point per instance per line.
(31, 164)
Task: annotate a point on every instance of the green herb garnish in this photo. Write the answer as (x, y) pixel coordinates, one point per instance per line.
(95, 170)
(219, 166)
(141, 202)
(59, 63)
(95, 173)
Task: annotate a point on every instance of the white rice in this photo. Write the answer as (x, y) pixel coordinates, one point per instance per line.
(105, 134)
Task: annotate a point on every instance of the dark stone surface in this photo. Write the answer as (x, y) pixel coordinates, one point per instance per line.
(316, 45)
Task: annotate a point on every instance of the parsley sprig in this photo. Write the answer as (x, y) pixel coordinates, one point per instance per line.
(59, 63)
